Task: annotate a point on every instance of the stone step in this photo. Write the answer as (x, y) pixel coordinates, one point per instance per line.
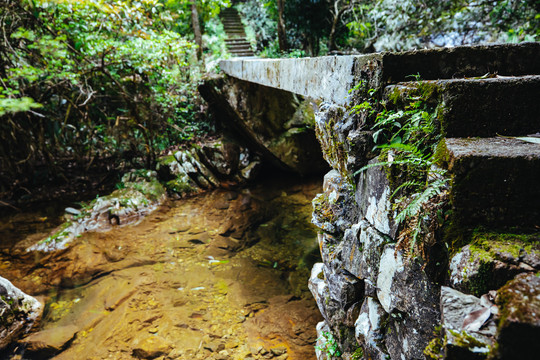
(462, 61)
(243, 54)
(494, 181)
(239, 43)
(231, 20)
(479, 107)
(236, 40)
(242, 46)
(237, 36)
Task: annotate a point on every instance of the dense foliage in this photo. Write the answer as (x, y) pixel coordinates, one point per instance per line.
(95, 79)
(320, 26)
(87, 80)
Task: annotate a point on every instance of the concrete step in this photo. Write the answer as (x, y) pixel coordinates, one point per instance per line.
(494, 181)
(479, 107)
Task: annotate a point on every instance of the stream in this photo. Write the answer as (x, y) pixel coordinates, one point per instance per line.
(222, 275)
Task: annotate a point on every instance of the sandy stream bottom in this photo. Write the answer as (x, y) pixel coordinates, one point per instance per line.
(222, 275)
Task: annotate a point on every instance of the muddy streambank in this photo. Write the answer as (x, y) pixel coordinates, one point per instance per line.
(222, 275)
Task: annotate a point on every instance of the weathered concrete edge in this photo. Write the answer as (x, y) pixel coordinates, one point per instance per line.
(331, 77)
(327, 78)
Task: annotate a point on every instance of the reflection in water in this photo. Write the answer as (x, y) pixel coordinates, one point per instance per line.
(218, 276)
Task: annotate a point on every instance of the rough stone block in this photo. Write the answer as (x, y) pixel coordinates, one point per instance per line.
(464, 342)
(480, 107)
(519, 324)
(334, 210)
(493, 181)
(463, 61)
(369, 329)
(373, 199)
(372, 243)
(492, 259)
(349, 252)
(406, 293)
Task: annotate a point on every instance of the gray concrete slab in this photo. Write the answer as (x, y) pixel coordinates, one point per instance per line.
(326, 78)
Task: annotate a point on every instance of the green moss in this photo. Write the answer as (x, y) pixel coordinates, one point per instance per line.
(60, 234)
(180, 186)
(466, 341)
(152, 188)
(488, 243)
(322, 207)
(358, 354)
(442, 155)
(167, 160)
(434, 350)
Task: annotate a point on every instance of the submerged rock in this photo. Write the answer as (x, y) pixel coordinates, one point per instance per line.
(47, 343)
(140, 193)
(18, 312)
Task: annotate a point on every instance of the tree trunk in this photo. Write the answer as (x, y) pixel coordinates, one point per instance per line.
(332, 37)
(196, 29)
(282, 36)
(335, 22)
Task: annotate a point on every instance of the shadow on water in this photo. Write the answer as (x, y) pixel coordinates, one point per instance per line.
(222, 275)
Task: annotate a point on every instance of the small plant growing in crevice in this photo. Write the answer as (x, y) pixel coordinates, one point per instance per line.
(407, 139)
(329, 345)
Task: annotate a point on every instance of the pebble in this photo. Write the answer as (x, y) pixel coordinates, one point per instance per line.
(72, 211)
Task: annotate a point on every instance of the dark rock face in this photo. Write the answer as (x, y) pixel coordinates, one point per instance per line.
(276, 124)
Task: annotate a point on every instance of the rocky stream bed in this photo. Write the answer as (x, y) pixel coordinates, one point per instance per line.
(222, 275)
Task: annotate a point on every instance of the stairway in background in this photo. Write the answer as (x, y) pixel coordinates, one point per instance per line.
(236, 41)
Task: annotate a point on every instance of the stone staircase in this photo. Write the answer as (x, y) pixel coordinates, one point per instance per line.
(469, 273)
(493, 171)
(236, 41)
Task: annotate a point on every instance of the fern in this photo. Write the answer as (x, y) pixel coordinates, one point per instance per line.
(420, 199)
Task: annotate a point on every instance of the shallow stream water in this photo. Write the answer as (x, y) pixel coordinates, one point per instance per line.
(222, 275)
